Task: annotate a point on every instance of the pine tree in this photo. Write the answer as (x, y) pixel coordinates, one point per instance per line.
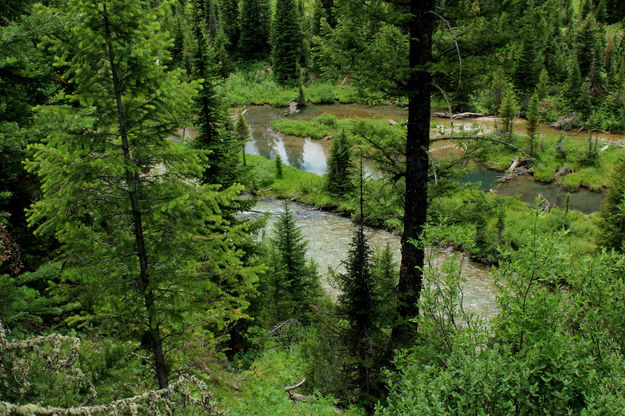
(292, 284)
(360, 306)
(587, 44)
(508, 111)
(542, 88)
(533, 118)
(529, 63)
(384, 270)
(229, 20)
(136, 229)
(584, 101)
(339, 174)
(496, 91)
(242, 131)
(279, 172)
(612, 225)
(254, 29)
(573, 80)
(287, 42)
(214, 135)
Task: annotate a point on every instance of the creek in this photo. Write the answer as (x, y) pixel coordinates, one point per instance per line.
(310, 155)
(329, 237)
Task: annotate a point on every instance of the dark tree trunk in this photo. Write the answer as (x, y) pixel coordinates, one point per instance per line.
(132, 183)
(417, 162)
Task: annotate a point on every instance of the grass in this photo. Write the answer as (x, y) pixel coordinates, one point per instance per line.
(328, 124)
(261, 392)
(256, 86)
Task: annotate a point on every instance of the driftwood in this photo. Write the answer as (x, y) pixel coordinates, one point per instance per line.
(564, 170)
(518, 162)
(519, 167)
(294, 107)
(458, 116)
(282, 325)
(296, 397)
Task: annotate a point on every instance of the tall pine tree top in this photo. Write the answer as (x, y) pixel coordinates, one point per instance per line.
(255, 29)
(122, 198)
(287, 42)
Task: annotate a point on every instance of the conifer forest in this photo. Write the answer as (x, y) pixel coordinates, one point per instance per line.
(312, 207)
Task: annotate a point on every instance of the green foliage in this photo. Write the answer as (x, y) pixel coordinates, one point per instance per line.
(508, 111)
(360, 309)
(279, 171)
(257, 86)
(229, 22)
(262, 388)
(290, 289)
(123, 200)
(613, 214)
(340, 166)
(255, 29)
(287, 43)
(533, 117)
(26, 306)
(542, 356)
(215, 135)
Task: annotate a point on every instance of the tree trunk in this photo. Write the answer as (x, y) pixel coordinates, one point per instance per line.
(132, 183)
(417, 163)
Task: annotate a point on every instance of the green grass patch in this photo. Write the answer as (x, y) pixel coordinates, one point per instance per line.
(256, 86)
(261, 388)
(328, 124)
(591, 170)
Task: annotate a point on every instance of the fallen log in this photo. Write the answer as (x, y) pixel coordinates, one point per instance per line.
(458, 116)
(296, 397)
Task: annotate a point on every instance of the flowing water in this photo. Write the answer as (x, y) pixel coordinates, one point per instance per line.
(330, 235)
(310, 155)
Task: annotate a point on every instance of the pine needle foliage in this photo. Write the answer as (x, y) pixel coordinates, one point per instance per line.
(340, 166)
(145, 248)
(287, 42)
(291, 287)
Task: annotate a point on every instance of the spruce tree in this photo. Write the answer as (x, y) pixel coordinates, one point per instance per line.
(214, 134)
(135, 227)
(287, 42)
(573, 79)
(229, 20)
(508, 111)
(292, 283)
(340, 166)
(529, 63)
(359, 305)
(587, 44)
(242, 131)
(533, 117)
(542, 88)
(254, 29)
(612, 225)
(494, 94)
(279, 171)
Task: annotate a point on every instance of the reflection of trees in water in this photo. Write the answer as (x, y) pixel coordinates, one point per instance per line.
(294, 153)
